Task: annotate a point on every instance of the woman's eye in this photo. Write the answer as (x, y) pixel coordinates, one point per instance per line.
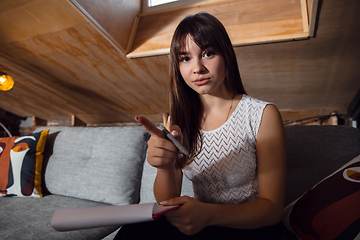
(184, 59)
(209, 54)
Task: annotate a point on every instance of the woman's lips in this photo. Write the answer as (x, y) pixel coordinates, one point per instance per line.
(202, 81)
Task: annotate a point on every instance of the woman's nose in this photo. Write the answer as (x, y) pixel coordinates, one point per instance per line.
(198, 67)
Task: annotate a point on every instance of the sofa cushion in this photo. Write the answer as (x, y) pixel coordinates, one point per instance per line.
(30, 218)
(101, 164)
(21, 161)
(147, 184)
(330, 209)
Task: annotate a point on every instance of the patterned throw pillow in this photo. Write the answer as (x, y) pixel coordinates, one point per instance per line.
(21, 161)
(331, 209)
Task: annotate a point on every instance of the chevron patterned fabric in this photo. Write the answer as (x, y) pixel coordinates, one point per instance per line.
(224, 171)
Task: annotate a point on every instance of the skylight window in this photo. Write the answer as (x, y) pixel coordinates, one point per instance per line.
(158, 5)
(153, 3)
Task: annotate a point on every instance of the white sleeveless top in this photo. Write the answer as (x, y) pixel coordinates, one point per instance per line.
(225, 170)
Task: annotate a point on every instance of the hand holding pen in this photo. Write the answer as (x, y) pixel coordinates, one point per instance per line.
(164, 148)
(177, 144)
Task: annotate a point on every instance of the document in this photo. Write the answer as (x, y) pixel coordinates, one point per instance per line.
(68, 219)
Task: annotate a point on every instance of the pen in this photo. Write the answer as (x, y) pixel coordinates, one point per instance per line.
(181, 148)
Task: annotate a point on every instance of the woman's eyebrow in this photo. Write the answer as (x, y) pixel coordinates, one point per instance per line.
(206, 46)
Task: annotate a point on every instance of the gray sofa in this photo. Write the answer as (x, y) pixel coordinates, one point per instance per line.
(86, 167)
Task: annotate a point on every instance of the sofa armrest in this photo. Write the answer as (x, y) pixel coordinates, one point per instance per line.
(314, 152)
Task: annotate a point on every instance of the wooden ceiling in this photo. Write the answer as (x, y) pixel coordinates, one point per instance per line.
(72, 59)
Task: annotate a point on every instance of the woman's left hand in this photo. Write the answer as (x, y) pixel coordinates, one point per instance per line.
(191, 217)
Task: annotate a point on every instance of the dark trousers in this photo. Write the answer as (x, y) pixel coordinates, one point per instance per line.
(162, 229)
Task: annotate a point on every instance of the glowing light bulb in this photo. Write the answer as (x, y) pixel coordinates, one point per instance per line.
(6, 82)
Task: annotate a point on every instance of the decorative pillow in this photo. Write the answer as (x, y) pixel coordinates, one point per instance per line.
(102, 164)
(21, 164)
(331, 209)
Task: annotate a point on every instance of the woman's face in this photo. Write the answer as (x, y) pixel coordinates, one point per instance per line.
(203, 70)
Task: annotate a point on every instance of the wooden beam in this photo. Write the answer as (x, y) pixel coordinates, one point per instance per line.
(132, 34)
(76, 122)
(312, 18)
(304, 13)
(38, 121)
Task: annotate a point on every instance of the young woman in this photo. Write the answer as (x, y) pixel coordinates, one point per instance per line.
(237, 159)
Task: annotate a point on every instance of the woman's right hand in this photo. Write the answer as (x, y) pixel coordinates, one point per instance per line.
(162, 153)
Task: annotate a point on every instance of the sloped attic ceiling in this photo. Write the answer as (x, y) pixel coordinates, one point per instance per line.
(64, 65)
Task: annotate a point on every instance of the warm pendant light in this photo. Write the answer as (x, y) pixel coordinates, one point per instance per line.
(6, 82)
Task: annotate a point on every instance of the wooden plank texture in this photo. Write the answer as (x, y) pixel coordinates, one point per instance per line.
(63, 66)
(116, 17)
(21, 20)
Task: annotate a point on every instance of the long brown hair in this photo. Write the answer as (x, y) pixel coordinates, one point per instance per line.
(186, 109)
